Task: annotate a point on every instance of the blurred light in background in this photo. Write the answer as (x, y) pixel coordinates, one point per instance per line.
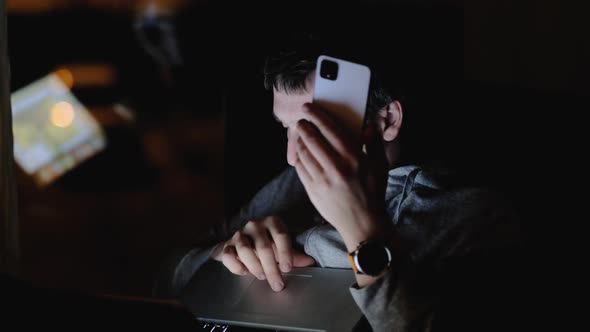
(36, 6)
(66, 76)
(44, 149)
(84, 75)
(62, 114)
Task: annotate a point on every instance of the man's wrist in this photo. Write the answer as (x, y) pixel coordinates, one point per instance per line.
(370, 228)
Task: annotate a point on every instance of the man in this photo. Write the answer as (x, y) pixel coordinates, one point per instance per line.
(332, 168)
(428, 223)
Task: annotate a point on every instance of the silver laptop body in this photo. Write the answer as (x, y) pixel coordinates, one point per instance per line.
(314, 299)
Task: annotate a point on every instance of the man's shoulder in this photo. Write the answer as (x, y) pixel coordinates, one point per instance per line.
(440, 201)
(434, 177)
(426, 187)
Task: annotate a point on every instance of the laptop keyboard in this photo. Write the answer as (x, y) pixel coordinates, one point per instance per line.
(214, 327)
(210, 327)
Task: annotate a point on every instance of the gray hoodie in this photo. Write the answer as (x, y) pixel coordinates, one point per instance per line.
(444, 226)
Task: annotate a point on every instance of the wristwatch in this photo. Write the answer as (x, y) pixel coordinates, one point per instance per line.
(370, 258)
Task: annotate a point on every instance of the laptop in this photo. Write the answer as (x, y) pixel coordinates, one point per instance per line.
(314, 299)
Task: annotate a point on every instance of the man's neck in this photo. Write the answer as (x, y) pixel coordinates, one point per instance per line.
(392, 153)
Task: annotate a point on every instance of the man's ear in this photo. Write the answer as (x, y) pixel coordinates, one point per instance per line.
(389, 120)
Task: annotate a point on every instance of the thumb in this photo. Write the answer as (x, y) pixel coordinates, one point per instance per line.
(302, 260)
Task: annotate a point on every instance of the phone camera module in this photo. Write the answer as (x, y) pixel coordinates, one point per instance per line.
(329, 70)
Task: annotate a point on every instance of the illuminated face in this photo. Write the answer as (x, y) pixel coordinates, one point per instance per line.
(287, 109)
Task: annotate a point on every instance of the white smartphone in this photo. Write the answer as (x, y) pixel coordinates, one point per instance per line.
(342, 88)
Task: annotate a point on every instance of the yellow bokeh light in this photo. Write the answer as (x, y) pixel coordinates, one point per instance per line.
(62, 114)
(66, 76)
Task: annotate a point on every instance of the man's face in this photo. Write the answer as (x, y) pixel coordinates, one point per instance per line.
(287, 109)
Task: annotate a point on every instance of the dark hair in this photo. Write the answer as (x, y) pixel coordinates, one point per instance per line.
(288, 71)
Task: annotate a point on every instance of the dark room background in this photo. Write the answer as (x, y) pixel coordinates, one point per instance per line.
(189, 126)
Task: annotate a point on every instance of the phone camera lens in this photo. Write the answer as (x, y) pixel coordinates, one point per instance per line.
(329, 70)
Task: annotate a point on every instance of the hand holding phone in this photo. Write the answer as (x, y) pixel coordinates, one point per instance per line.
(341, 182)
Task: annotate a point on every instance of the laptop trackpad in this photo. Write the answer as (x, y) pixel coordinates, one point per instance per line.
(261, 299)
(304, 295)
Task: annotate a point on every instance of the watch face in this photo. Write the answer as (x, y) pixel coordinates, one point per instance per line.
(373, 258)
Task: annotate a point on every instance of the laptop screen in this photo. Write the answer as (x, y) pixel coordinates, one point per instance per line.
(53, 131)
